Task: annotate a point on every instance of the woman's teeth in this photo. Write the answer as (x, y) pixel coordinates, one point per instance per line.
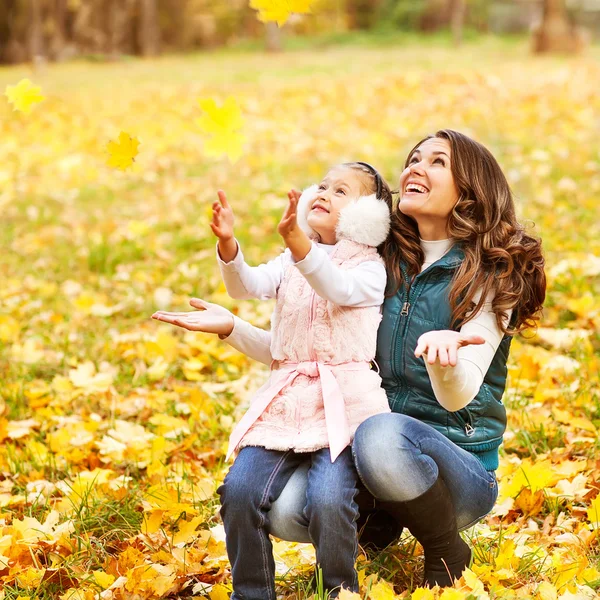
(413, 187)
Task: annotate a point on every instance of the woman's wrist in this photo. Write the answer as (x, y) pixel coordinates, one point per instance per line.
(228, 328)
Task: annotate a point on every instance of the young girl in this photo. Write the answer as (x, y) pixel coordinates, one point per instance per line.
(329, 292)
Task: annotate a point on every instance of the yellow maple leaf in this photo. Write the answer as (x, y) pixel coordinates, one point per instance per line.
(122, 153)
(382, 590)
(346, 594)
(546, 591)
(217, 119)
(473, 582)
(593, 512)
(422, 593)
(279, 10)
(222, 123)
(24, 96)
(452, 594)
(535, 476)
(187, 531)
(104, 580)
(230, 144)
(219, 592)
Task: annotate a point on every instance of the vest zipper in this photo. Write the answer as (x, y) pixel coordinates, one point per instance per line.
(466, 423)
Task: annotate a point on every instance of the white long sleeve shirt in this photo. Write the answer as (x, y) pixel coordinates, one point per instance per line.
(363, 285)
(454, 387)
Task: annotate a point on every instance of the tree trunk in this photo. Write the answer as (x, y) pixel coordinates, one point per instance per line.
(58, 38)
(36, 40)
(556, 34)
(273, 37)
(149, 32)
(457, 20)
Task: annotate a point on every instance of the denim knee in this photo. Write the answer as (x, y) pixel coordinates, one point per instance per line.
(373, 441)
(389, 460)
(238, 493)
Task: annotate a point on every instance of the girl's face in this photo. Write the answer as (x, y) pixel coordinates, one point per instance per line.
(428, 191)
(340, 186)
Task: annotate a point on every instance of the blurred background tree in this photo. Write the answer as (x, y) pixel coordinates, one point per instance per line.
(57, 30)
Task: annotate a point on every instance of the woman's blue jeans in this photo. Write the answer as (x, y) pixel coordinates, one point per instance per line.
(327, 507)
(398, 458)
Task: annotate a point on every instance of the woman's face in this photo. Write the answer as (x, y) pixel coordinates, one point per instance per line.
(428, 192)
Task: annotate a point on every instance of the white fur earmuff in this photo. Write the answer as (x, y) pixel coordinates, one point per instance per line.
(365, 220)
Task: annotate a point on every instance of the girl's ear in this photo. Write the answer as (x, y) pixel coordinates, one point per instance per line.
(306, 198)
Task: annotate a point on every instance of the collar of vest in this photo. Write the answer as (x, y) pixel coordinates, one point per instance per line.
(450, 260)
(364, 220)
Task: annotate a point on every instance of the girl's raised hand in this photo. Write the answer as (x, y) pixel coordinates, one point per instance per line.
(223, 219)
(289, 221)
(444, 345)
(209, 318)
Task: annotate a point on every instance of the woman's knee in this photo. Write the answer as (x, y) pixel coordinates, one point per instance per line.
(286, 517)
(376, 437)
(388, 458)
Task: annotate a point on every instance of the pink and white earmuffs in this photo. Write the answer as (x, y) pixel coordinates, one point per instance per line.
(365, 220)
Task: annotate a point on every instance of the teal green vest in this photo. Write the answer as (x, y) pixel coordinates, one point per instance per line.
(479, 427)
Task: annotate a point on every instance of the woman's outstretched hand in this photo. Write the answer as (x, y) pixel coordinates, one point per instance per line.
(209, 318)
(444, 345)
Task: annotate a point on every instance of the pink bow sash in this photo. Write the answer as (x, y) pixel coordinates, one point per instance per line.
(336, 421)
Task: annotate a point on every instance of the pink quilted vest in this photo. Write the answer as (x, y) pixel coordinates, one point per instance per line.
(317, 347)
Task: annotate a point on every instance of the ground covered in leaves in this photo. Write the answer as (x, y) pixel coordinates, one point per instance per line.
(113, 427)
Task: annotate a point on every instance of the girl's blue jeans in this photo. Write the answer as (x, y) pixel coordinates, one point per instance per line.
(398, 458)
(326, 507)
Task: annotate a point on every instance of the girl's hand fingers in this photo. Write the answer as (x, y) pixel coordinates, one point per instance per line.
(432, 354)
(443, 356)
(223, 199)
(452, 355)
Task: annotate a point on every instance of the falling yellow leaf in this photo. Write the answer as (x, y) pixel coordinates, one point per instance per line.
(122, 153)
(230, 144)
(24, 96)
(279, 10)
(217, 119)
(222, 123)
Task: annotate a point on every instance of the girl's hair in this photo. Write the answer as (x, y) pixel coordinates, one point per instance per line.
(499, 256)
(377, 184)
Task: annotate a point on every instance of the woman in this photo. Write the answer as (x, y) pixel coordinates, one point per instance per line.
(463, 278)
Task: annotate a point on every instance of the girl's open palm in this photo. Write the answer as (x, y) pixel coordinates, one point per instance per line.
(223, 219)
(210, 318)
(444, 345)
(289, 221)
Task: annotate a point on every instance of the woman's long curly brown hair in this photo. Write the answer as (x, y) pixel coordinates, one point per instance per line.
(499, 256)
